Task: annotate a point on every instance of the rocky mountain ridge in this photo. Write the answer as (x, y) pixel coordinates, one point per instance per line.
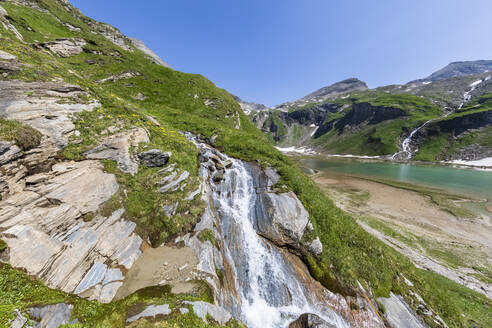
(460, 68)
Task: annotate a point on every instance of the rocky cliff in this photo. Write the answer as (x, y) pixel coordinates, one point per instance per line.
(135, 195)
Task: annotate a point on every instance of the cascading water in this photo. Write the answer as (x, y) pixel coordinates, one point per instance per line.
(405, 146)
(270, 293)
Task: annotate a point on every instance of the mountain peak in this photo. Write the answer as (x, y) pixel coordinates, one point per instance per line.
(347, 85)
(460, 68)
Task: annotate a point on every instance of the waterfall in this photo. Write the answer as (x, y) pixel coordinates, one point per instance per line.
(271, 295)
(269, 290)
(405, 146)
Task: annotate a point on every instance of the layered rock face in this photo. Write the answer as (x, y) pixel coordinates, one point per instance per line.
(65, 47)
(45, 201)
(46, 106)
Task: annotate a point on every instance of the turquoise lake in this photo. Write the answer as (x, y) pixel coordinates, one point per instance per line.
(477, 183)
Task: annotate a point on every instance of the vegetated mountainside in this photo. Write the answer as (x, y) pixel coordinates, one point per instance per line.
(133, 194)
(377, 121)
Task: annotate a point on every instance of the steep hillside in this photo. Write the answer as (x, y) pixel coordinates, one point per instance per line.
(136, 195)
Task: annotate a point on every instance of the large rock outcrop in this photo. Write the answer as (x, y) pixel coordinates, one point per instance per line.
(152, 55)
(66, 47)
(38, 104)
(281, 218)
(46, 236)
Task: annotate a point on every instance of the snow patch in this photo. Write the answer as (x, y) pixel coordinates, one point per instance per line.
(487, 162)
(300, 150)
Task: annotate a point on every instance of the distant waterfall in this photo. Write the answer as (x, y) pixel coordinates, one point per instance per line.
(406, 144)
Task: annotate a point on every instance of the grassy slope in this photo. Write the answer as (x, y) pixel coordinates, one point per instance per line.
(22, 135)
(444, 144)
(382, 138)
(350, 254)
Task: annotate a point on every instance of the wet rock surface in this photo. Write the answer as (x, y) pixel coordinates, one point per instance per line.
(255, 288)
(309, 320)
(281, 218)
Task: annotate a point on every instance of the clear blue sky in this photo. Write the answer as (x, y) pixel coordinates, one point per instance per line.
(271, 51)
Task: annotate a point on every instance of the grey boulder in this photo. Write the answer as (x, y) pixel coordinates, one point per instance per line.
(281, 218)
(316, 247)
(151, 311)
(51, 316)
(309, 320)
(154, 158)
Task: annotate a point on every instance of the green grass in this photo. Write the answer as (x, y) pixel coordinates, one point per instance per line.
(452, 254)
(209, 235)
(22, 135)
(382, 138)
(19, 291)
(350, 254)
(444, 145)
(372, 140)
(416, 106)
(392, 231)
(3, 245)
